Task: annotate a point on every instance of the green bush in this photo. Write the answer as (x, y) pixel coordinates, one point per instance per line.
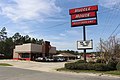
(90, 66)
(100, 61)
(70, 66)
(112, 64)
(118, 66)
(79, 66)
(91, 62)
(101, 67)
(76, 66)
(81, 61)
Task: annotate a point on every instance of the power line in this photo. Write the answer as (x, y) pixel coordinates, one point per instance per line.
(108, 10)
(117, 33)
(47, 29)
(114, 30)
(68, 22)
(109, 18)
(57, 25)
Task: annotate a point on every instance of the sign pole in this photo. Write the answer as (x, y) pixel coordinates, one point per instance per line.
(84, 39)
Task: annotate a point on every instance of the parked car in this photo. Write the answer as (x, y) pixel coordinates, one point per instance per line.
(45, 59)
(49, 59)
(58, 59)
(39, 59)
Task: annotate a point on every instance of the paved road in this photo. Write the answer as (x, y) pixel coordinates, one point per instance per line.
(10, 73)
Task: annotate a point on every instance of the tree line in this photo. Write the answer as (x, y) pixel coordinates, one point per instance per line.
(68, 51)
(7, 44)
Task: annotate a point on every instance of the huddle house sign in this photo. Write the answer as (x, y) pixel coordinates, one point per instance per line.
(83, 9)
(84, 22)
(83, 13)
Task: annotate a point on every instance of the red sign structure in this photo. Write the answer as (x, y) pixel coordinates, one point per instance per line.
(83, 9)
(83, 15)
(84, 22)
(78, 18)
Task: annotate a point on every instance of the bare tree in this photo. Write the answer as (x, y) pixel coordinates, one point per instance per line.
(110, 49)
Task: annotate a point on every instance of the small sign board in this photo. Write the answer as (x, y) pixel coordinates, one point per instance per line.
(83, 9)
(84, 22)
(83, 15)
(85, 44)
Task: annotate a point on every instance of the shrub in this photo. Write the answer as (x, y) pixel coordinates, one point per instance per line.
(101, 67)
(118, 66)
(90, 66)
(91, 62)
(81, 61)
(70, 66)
(81, 66)
(100, 61)
(112, 64)
(76, 66)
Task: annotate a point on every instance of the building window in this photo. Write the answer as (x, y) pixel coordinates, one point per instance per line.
(25, 55)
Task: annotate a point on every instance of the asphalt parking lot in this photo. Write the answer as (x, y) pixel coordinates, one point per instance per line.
(39, 66)
(29, 70)
(11, 73)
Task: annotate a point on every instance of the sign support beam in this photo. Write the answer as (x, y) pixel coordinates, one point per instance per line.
(84, 39)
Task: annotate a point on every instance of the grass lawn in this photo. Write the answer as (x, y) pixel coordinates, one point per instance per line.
(113, 72)
(91, 71)
(5, 64)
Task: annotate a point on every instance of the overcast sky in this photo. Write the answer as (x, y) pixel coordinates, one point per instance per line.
(50, 20)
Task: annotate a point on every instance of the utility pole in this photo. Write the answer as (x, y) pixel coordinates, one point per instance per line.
(101, 48)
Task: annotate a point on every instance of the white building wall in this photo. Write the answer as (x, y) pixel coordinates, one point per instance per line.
(28, 48)
(15, 55)
(23, 48)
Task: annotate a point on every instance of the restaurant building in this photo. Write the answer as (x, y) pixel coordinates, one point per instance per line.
(32, 51)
